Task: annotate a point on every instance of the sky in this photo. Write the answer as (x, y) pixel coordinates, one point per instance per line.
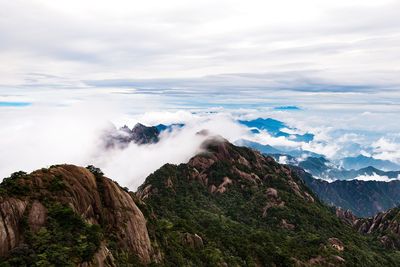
(70, 68)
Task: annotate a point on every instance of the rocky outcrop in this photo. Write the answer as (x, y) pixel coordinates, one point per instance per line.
(384, 225)
(11, 213)
(336, 243)
(194, 241)
(273, 200)
(102, 258)
(346, 216)
(140, 134)
(37, 216)
(97, 199)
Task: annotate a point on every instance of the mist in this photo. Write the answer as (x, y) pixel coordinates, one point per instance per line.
(39, 137)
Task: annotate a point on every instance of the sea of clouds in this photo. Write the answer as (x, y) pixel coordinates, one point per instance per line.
(38, 136)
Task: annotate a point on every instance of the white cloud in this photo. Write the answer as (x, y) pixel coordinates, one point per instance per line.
(283, 160)
(37, 137)
(386, 149)
(41, 136)
(375, 177)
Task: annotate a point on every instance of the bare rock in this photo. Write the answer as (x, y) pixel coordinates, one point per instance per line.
(95, 199)
(336, 243)
(11, 212)
(273, 200)
(102, 258)
(288, 226)
(37, 216)
(192, 240)
(222, 187)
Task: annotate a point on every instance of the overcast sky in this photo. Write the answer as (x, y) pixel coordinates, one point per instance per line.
(47, 42)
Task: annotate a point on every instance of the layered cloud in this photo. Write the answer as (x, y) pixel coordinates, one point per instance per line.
(338, 45)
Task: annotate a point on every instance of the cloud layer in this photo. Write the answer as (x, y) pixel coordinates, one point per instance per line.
(346, 44)
(39, 136)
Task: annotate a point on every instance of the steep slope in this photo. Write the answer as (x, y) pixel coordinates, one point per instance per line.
(363, 198)
(67, 216)
(231, 206)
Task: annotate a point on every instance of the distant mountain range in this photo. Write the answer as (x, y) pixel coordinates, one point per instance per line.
(337, 186)
(276, 128)
(321, 167)
(362, 161)
(363, 198)
(268, 149)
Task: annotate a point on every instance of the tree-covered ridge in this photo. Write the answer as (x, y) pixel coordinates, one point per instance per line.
(231, 206)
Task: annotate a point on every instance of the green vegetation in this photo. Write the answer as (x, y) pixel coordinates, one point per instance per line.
(265, 216)
(57, 184)
(232, 225)
(64, 241)
(13, 186)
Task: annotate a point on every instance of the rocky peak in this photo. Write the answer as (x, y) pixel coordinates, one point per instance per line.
(94, 198)
(346, 216)
(142, 134)
(122, 137)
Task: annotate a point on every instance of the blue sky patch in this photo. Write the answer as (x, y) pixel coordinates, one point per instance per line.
(14, 104)
(287, 108)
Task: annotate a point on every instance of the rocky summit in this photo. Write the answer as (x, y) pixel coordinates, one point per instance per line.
(228, 206)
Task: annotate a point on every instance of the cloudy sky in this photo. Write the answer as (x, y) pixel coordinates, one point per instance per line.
(284, 42)
(70, 67)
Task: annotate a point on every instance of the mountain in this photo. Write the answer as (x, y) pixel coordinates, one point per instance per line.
(232, 206)
(363, 198)
(275, 128)
(265, 149)
(362, 162)
(70, 216)
(322, 168)
(228, 206)
(140, 134)
(281, 151)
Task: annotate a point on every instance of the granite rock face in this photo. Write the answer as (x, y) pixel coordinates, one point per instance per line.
(97, 199)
